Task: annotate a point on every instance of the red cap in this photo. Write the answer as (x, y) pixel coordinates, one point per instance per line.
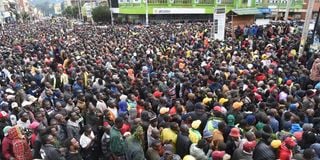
(290, 142)
(157, 94)
(217, 154)
(3, 114)
(235, 132)
(217, 109)
(249, 146)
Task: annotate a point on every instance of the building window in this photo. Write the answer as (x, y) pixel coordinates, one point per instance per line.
(157, 1)
(183, 1)
(206, 1)
(215, 26)
(225, 1)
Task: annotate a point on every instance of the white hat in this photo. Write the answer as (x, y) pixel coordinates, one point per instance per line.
(14, 105)
(9, 90)
(11, 97)
(31, 98)
(26, 103)
(123, 97)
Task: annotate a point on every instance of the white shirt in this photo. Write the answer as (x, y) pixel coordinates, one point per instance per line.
(114, 111)
(101, 105)
(85, 141)
(22, 124)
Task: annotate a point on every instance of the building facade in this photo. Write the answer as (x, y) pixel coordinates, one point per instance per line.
(185, 10)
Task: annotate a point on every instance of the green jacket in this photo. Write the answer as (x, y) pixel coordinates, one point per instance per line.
(117, 142)
(134, 150)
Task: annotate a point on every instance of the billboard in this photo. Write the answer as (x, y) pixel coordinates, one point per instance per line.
(219, 22)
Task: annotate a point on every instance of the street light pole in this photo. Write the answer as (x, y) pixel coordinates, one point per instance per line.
(287, 10)
(147, 13)
(111, 12)
(305, 31)
(79, 9)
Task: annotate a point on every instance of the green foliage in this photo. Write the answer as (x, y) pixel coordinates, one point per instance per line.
(71, 12)
(25, 16)
(101, 14)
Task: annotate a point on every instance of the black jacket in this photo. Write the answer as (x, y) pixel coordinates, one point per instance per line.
(183, 144)
(263, 152)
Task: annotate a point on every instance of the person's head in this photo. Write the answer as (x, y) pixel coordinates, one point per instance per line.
(174, 126)
(309, 154)
(155, 133)
(119, 122)
(290, 143)
(222, 126)
(72, 144)
(207, 135)
(48, 139)
(235, 133)
(38, 116)
(53, 131)
(184, 129)
(201, 143)
(24, 117)
(154, 122)
(60, 119)
(156, 145)
(222, 146)
(59, 106)
(87, 130)
(249, 146)
(76, 110)
(53, 123)
(74, 116)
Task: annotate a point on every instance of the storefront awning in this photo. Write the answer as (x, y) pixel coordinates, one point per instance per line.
(246, 11)
(265, 10)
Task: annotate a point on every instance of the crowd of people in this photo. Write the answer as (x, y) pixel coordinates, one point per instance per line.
(163, 92)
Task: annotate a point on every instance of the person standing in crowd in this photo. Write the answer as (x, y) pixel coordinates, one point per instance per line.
(87, 143)
(7, 144)
(20, 146)
(117, 140)
(183, 141)
(135, 144)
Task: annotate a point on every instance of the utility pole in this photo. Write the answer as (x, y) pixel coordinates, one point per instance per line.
(305, 31)
(111, 12)
(278, 9)
(147, 13)
(79, 9)
(287, 10)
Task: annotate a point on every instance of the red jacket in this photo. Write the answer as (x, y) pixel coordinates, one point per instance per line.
(7, 148)
(285, 153)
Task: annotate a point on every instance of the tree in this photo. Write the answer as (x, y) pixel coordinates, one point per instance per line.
(71, 12)
(101, 14)
(25, 16)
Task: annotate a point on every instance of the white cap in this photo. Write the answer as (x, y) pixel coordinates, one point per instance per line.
(14, 105)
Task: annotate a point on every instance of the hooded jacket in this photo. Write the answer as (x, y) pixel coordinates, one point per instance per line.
(20, 147)
(285, 153)
(198, 153)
